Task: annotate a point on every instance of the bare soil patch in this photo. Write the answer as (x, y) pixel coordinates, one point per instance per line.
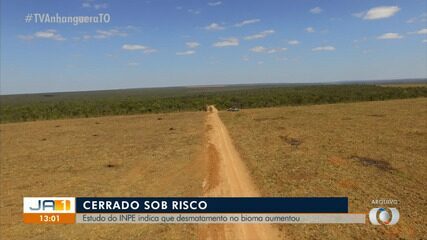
(291, 141)
(380, 164)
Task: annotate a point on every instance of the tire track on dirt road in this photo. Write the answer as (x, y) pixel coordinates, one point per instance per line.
(228, 177)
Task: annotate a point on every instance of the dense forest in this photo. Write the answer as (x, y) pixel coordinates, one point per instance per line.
(16, 108)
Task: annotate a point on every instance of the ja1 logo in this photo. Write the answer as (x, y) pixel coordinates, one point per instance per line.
(49, 205)
(379, 216)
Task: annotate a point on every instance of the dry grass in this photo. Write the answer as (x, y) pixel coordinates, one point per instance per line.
(148, 155)
(366, 151)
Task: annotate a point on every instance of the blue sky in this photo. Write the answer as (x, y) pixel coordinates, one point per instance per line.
(159, 43)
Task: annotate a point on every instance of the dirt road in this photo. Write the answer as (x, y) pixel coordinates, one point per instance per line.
(228, 177)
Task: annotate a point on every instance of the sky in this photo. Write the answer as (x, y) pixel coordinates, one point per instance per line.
(159, 43)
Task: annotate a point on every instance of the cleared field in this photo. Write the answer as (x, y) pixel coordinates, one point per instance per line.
(149, 155)
(366, 151)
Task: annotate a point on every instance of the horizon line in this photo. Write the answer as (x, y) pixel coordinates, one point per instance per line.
(422, 79)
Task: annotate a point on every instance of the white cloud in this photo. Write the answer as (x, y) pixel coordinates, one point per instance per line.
(275, 50)
(96, 6)
(102, 34)
(422, 31)
(133, 47)
(258, 49)
(133, 64)
(260, 35)
(359, 14)
(316, 10)
(46, 34)
(51, 34)
(138, 47)
(192, 44)
(261, 49)
(85, 37)
(214, 27)
(26, 37)
(425, 41)
(246, 22)
(378, 12)
(213, 4)
(108, 33)
(293, 42)
(194, 11)
(390, 36)
(131, 27)
(360, 40)
(227, 42)
(421, 18)
(186, 53)
(310, 30)
(150, 50)
(323, 48)
(100, 6)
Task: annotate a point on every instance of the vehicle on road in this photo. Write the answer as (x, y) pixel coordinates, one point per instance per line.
(233, 109)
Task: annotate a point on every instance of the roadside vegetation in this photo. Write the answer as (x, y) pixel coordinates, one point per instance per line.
(30, 107)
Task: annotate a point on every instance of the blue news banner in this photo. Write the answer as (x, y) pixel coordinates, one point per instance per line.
(213, 205)
(224, 210)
